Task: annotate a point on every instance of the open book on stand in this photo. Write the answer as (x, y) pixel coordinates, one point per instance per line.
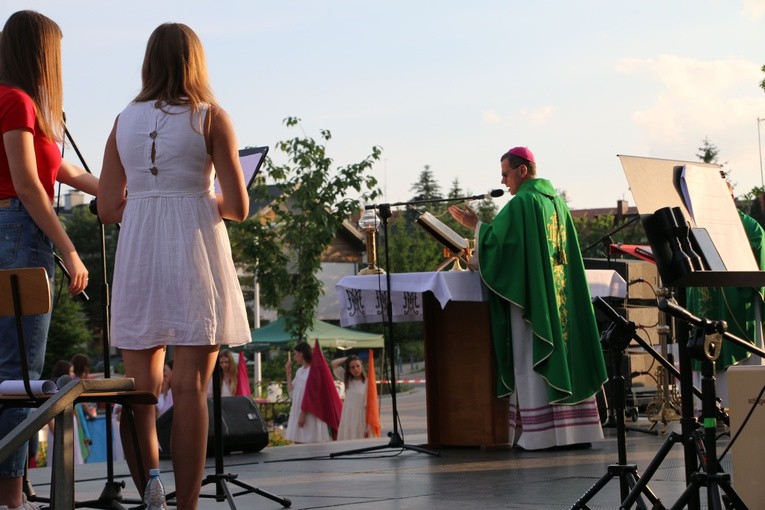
(443, 233)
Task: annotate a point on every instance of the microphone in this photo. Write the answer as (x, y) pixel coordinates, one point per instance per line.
(82, 296)
(495, 193)
(491, 194)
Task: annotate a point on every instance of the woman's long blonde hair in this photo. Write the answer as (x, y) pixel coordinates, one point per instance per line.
(232, 370)
(30, 59)
(175, 69)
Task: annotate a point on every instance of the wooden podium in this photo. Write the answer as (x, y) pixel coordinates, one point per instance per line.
(462, 408)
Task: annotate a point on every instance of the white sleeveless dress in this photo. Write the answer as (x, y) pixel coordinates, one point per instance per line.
(174, 278)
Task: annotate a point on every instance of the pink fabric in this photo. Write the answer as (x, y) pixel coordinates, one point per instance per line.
(242, 379)
(321, 398)
(522, 152)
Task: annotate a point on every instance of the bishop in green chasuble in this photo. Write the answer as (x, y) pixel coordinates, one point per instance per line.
(530, 256)
(546, 341)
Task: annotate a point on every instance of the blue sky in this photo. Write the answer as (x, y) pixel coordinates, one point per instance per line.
(449, 84)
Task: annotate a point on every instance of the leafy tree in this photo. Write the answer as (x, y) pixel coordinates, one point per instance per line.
(487, 209)
(456, 190)
(592, 233)
(83, 229)
(709, 152)
(69, 332)
(426, 188)
(284, 248)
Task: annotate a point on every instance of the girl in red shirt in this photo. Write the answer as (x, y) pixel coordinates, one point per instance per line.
(31, 124)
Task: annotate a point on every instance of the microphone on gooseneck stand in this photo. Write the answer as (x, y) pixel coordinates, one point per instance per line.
(491, 194)
(495, 193)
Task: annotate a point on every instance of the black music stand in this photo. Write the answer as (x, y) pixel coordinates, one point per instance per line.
(667, 194)
(220, 478)
(396, 439)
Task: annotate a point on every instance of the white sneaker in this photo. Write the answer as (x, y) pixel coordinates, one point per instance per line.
(25, 505)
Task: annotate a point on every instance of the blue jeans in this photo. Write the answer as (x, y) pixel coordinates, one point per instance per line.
(22, 244)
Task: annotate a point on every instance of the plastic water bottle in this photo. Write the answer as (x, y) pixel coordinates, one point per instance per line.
(154, 495)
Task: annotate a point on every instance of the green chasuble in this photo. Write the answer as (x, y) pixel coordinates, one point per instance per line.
(736, 306)
(530, 256)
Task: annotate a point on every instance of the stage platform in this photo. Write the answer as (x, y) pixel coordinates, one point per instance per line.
(390, 479)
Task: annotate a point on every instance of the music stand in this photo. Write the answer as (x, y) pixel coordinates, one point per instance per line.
(677, 196)
(220, 478)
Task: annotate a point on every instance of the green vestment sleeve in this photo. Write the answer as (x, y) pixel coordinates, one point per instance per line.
(736, 306)
(530, 256)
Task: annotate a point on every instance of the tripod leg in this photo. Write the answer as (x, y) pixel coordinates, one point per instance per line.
(633, 479)
(220, 478)
(581, 503)
(285, 502)
(735, 499)
(641, 484)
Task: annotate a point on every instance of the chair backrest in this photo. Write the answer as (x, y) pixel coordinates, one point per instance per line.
(33, 291)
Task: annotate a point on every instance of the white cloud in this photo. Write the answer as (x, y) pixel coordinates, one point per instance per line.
(753, 9)
(539, 116)
(696, 99)
(696, 96)
(491, 117)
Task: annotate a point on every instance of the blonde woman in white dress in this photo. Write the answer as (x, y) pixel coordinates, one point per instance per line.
(174, 279)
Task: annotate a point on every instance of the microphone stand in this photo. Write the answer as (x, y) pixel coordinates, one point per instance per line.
(699, 443)
(111, 496)
(495, 193)
(396, 439)
(606, 239)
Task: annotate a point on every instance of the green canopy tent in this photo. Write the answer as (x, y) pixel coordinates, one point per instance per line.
(274, 335)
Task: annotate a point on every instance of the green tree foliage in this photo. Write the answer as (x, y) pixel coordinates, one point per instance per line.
(708, 152)
(456, 190)
(313, 201)
(426, 187)
(84, 230)
(594, 235)
(69, 331)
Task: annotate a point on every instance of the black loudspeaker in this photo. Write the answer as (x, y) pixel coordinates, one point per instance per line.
(242, 427)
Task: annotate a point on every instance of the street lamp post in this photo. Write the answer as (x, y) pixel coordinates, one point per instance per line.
(759, 145)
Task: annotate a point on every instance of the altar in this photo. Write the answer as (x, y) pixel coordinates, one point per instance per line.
(460, 374)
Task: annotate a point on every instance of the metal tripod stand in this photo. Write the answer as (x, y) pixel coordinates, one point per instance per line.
(220, 478)
(615, 340)
(702, 445)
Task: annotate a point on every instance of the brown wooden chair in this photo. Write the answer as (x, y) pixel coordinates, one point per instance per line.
(26, 291)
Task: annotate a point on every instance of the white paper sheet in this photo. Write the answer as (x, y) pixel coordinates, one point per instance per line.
(711, 206)
(39, 388)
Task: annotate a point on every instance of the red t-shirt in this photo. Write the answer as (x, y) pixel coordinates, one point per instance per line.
(17, 111)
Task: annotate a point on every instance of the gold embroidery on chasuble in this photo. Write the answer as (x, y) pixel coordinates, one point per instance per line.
(557, 237)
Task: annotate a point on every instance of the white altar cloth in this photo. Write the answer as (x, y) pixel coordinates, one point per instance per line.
(363, 297)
